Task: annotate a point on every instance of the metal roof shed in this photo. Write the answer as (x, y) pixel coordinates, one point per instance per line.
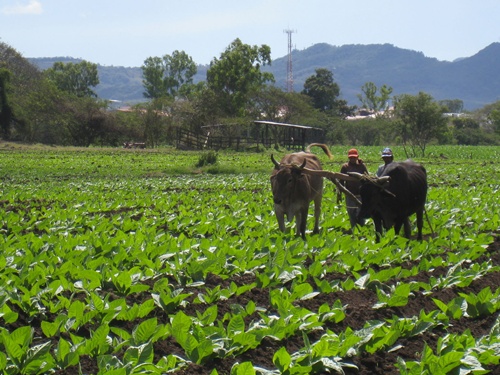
(291, 136)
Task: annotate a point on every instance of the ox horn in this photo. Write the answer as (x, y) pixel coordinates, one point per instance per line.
(383, 180)
(276, 164)
(359, 176)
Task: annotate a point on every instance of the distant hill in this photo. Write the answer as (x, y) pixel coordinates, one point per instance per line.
(475, 79)
(116, 82)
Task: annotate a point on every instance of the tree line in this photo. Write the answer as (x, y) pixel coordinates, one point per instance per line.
(58, 106)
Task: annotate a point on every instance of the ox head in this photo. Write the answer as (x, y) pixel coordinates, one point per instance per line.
(372, 191)
(279, 166)
(287, 186)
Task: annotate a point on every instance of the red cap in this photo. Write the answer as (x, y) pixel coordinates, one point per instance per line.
(353, 153)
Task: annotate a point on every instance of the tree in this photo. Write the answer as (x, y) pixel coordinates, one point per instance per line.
(324, 92)
(181, 70)
(5, 108)
(168, 76)
(201, 109)
(274, 104)
(41, 114)
(87, 121)
(153, 72)
(420, 120)
(20, 80)
(76, 79)
(237, 73)
(155, 120)
(371, 100)
(494, 117)
(452, 106)
(270, 104)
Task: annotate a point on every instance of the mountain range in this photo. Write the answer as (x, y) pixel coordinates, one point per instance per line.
(475, 80)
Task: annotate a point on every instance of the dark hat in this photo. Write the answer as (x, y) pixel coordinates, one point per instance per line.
(353, 153)
(387, 152)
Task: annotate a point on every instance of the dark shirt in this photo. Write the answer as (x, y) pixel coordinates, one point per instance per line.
(381, 169)
(353, 186)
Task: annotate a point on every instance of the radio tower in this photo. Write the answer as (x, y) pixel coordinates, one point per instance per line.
(289, 69)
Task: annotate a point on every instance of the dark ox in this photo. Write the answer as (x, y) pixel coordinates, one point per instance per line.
(397, 194)
(293, 191)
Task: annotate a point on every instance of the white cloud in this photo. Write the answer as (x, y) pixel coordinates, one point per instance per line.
(32, 7)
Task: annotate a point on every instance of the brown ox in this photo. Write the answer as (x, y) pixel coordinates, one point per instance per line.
(293, 191)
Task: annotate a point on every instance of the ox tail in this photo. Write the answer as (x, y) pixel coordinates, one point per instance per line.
(323, 146)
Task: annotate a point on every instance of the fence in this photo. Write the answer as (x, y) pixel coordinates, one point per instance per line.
(189, 140)
(267, 134)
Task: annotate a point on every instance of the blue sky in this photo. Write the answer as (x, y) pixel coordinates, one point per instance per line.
(126, 32)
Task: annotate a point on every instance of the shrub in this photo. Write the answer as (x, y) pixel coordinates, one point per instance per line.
(208, 158)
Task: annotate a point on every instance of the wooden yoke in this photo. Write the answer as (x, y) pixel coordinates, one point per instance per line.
(326, 174)
(352, 176)
(334, 177)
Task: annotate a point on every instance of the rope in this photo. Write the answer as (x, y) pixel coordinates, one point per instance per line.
(346, 191)
(429, 222)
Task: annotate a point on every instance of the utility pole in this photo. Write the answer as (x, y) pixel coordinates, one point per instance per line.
(289, 68)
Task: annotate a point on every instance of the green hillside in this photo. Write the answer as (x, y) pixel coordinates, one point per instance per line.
(475, 80)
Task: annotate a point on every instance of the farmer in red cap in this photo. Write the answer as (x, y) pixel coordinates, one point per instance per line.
(355, 164)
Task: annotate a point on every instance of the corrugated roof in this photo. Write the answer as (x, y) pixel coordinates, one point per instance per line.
(285, 125)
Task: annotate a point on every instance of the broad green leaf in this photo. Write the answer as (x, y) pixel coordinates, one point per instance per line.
(3, 361)
(138, 355)
(301, 290)
(236, 325)
(244, 368)
(282, 359)
(97, 342)
(144, 331)
(450, 360)
(246, 340)
(181, 324)
(8, 315)
(204, 349)
(209, 315)
(145, 308)
(97, 302)
(441, 305)
(50, 328)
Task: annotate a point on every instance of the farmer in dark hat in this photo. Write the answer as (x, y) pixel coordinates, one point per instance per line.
(355, 164)
(388, 158)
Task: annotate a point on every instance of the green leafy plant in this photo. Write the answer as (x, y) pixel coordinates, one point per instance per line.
(142, 253)
(482, 304)
(397, 296)
(19, 357)
(168, 299)
(192, 338)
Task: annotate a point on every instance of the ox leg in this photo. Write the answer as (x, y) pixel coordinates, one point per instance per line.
(407, 227)
(420, 223)
(398, 223)
(301, 219)
(280, 216)
(317, 212)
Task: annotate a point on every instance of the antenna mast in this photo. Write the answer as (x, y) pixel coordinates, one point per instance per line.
(289, 68)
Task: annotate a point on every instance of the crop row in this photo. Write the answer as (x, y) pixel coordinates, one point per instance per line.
(157, 273)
